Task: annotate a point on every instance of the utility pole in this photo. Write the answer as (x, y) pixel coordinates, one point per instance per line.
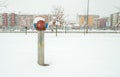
(87, 20)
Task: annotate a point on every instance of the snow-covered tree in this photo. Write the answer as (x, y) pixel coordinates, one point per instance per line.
(58, 13)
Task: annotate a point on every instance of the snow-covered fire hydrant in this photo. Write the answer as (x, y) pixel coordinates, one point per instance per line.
(40, 26)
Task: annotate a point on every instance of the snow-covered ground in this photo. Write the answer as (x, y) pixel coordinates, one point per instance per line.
(69, 55)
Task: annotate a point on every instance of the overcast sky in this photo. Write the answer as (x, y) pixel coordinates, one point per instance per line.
(71, 7)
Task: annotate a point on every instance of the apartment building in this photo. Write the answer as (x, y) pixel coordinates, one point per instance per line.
(92, 20)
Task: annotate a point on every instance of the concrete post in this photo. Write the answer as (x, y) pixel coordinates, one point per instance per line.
(41, 48)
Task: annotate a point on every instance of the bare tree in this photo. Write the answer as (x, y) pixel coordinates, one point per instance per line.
(3, 4)
(58, 13)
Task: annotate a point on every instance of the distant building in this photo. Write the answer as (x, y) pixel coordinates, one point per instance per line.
(25, 21)
(115, 19)
(119, 17)
(1, 20)
(102, 22)
(92, 20)
(5, 19)
(20, 21)
(12, 19)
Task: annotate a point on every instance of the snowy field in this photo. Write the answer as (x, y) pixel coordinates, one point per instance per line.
(69, 55)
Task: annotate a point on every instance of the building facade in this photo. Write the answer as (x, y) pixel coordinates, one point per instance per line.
(12, 19)
(5, 19)
(1, 20)
(103, 22)
(92, 20)
(115, 19)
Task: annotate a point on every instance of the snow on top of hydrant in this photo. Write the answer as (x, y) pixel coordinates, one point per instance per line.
(38, 19)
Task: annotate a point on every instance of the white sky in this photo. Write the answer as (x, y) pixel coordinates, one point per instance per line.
(71, 7)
